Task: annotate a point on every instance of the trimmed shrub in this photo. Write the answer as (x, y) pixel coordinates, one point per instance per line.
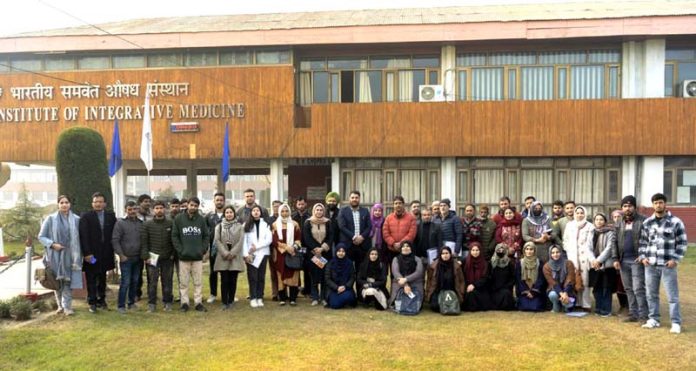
(82, 167)
(4, 309)
(41, 306)
(20, 309)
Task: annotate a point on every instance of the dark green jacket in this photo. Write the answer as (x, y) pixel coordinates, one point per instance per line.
(190, 236)
(156, 237)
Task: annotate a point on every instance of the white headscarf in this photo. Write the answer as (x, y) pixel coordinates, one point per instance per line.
(290, 234)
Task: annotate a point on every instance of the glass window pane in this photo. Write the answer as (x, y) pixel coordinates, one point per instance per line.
(347, 64)
(613, 186)
(320, 85)
(305, 85)
(462, 187)
(346, 184)
(563, 57)
(667, 185)
(500, 59)
(433, 186)
(426, 61)
(413, 185)
(562, 184)
(562, 83)
(335, 88)
(235, 58)
(537, 83)
(164, 60)
(604, 56)
(129, 61)
(390, 184)
(587, 186)
(471, 59)
(461, 90)
(369, 182)
(201, 59)
(512, 189)
(680, 54)
(93, 63)
(587, 82)
(59, 63)
(488, 186)
(273, 57)
(368, 86)
(687, 71)
(433, 77)
(512, 84)
(487, 84)
(391, 87)
(669, 80)
(613, 82)
(27, 64)
(538, 183)
(313, 64)
(4, 65)
(418, 79)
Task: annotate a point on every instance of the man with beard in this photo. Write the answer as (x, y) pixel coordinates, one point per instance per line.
(428, 236)
(527, 205)
(451, 226)
(471, 228)
(249, 202)
(632, 271)
(503, 204)
(300, 215)
(174, 208)
(399, 226)
(569, 210)
(332, 199)
(214, 218)
(487, 232)
(355, 226)
(416, 209)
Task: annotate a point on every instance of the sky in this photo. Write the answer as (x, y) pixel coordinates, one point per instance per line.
(34, 15)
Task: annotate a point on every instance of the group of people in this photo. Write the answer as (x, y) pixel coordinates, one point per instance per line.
(342, 256)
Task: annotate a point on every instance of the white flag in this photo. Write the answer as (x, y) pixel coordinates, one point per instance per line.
(146, 139)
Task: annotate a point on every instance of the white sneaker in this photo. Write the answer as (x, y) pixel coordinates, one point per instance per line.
(676, 329)
(211, 300)
(651, 324)
(253, 303)
(259, 302)
(315, 303)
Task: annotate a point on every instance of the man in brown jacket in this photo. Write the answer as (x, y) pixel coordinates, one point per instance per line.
(398, 227)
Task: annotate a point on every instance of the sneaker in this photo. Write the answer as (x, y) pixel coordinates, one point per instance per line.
(151, 308)
(102, 305)
(93, 308)
(324, 303)
(631, 319)
(651, 324)
(605, 315)
(253, 303)
(315, 303)
(225, 307)
(293, 303)
(200, 308)
(184, 308)
(676, 329)
(167, 307)
(281, 303)
(133, 306)
(122, 310)
(60, 311)
(211, 299)
(259, 303)
(68, 312)
(236, 299)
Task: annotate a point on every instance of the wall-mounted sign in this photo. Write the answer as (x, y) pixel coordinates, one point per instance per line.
(184, 127)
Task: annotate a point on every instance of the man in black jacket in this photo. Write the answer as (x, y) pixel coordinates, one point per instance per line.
(96, 228)
(428, 236)
(354, 223)
(213, 219)
(300, 215)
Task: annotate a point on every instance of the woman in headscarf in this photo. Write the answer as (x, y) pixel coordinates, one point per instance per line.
(445, 273)
(604, 254)
(529, 275)
(476, 297)
(560, 277)
(502, 279)
(229, 239)
(576, 239)
(286, 241)
(339, 277)
(377, 221)
(407, 272)
(536, 228)
(372, 281)
(509, 232)
(317, 234)
(60, 237)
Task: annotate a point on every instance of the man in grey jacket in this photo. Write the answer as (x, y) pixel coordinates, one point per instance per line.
(126, 243)
(632, 271)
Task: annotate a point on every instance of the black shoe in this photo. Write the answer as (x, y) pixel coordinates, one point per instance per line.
(275, 298)
(103, 306)
(200, 308)
(93, 308)
(184, 308)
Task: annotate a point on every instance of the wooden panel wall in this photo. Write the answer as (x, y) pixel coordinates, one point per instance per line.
(510, 128)
(267, 93)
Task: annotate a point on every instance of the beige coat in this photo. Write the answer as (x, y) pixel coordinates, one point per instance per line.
(229, 259)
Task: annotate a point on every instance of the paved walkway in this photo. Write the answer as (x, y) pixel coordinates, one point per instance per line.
(14, 280)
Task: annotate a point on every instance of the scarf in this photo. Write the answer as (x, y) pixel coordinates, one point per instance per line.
(226, 230)
(318, 225)
(70, 258)
(475, 268)
(376, 231)
(516, 220)
(530, 266)
(582, 223)
(559, 272)
(407, 264)
(369, 268)
(288, 222)
(540, 222)
(498, 262)
(313, 219)
(340, 270)
(599, 237)
(445, 271)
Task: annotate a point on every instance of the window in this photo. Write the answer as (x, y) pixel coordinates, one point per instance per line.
(680, 179)
(201, 59)
(93, 63)
(129, 61)
(26, 64)
(235, 58)
(273, 57)
(680, 65)
(61, 63)
(164, 60)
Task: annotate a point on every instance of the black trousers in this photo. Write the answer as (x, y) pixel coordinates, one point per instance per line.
(96, 286)
(257, 279)
(229, 286)
(164, 271)
(213, 277)
(283, 294)
(139, 290)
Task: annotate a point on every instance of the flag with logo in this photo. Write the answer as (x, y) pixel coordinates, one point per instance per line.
(115, 159)
(146, 139)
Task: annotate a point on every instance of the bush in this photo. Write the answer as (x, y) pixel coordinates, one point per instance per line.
(20, 309)
(41, 306)
(82, 168)
(4, 309)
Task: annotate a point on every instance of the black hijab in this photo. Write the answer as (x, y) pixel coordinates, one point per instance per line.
(369, 268)
(340, 268)
(407, 263)
(445, 270)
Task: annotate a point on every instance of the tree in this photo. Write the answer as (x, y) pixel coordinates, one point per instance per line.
(82, 167)
(166, 193)
(23, 220)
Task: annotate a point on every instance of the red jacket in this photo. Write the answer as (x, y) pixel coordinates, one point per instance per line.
(398, 229)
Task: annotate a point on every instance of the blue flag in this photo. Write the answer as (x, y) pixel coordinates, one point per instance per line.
(225, 168)
(115, 160)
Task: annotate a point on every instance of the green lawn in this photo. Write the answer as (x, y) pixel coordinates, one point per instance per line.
(17, 248)
(307, 337)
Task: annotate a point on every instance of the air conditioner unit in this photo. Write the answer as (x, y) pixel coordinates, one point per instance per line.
(688, 89)
(431, 93)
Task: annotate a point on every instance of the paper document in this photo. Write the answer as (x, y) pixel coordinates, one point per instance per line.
(153, 259)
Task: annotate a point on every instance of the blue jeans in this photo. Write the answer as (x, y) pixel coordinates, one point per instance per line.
(130, 270)
(602, 299)
(633, 278)
(556, 301)
(668, 276)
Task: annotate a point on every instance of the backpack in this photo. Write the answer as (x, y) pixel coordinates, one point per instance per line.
(47, 278)
(406, 305)
(448, 302)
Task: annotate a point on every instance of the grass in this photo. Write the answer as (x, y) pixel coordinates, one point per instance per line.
(16, 248)
(306, 337)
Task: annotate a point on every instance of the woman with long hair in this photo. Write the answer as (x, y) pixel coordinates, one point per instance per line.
(229, 240)
(257, 239)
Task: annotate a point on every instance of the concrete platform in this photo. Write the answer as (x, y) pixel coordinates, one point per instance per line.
(13, 281)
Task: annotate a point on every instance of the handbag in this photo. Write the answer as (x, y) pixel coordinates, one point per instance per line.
(448, 302)
(408, 305)
(296, 261)
(47, 278)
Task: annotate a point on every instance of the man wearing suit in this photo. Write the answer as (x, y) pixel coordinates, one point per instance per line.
(354, 223)
(96, 228)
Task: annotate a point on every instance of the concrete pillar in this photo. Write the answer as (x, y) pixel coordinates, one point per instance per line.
(448, 61)
(448, 180)
(118, 191)
(191, 181)
(336, 176)
(220, 183)
(643, 69)
(629, 175)
(277, 180)
(652, 178)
